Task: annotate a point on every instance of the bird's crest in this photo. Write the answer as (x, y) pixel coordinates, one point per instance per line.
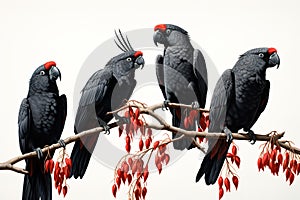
(123, 44)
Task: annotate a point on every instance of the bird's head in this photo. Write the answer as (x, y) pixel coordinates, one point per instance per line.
(44, 77)
(128, 61)
(170, 35)
(267, 55)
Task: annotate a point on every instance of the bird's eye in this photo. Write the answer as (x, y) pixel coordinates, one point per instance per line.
(168, 31)
(42, 73)
(128, 59)
(261, 55)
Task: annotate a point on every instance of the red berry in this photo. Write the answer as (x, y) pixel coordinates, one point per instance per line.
(235, 181)
(120, 130)
(118, 181)
(266, 159)
(186, 123)
(234, 150)
(237, 161)
(128, 147)
(129, 178)
(221, 193)
(280, 158)
(155, 144)
(59, 189)
(146, 173)
(137, 113)
(227, 184)
(167, 158)
(144, 192)
(65, 190)
(141, 144)
(220, 181)
(114, 190)
(147, 143)
(292, 177)
(259, 164)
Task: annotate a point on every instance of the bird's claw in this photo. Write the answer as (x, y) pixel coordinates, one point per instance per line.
(252, 137)
(195, 105)
(123, 120)
(106, 129)
(39, 153)
(165, 105)
(228, 133)
(62, 143)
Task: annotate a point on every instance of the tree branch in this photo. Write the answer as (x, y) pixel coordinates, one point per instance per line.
(163, 125)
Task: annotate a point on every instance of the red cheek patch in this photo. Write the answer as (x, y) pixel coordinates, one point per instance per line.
(161, 27)
(137, 54)
(49, 64)
(271, 50)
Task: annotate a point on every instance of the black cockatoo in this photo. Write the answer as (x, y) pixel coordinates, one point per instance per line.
(105, 91)
(181, 74)
(41, 121)
(240, 96)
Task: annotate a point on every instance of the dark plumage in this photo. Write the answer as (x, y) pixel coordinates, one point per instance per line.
(181, 74)
(105, 91)
(41, 121)
(240, 96)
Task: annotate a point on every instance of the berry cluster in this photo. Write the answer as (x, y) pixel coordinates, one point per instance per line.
(272, 158)
(230, 175)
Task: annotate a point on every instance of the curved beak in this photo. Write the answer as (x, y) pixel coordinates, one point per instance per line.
(139, 62)
(274, 60)
(54, 73)
(158, 37)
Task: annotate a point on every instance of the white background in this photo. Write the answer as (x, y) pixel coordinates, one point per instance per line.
(34, 32)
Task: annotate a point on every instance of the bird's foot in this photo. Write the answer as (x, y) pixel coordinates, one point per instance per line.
(252, 137)
(228, 133)
(165, 105)
(62, 143)
(195, 105)
(122, 120)
(106, 129)
(39, 153)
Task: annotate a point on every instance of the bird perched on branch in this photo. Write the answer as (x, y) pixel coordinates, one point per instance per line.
(240, 96)
(41, 121)
(105, 91)
(182, 76)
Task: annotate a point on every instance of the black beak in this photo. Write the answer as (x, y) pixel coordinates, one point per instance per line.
(158, 37)
(139, 62)
(274, 60)
(54, 73)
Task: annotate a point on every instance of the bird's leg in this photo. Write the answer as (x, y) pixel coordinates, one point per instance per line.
(39, 153)
(228, 133)
(104, 125)
(251, 136)
(165, 104)
(62, 143)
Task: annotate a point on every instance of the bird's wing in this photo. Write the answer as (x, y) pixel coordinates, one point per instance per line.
(62, 114)
(200, 71)
(93, 93)
(217, 149)
(263, 103)
(221, 99)
(160, 74)
(24, 119)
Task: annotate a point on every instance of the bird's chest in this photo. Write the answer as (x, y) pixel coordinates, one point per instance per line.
(178, 72)
(44, 110)
(248, 93)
